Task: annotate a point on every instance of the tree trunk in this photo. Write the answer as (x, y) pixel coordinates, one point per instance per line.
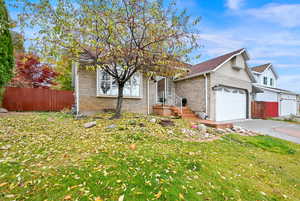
(119, 102)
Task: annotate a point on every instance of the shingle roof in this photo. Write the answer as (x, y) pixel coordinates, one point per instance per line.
(260, 68)
(212, 63)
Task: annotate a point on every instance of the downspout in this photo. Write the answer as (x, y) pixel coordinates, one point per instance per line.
(279, 102)
(165, 97)
(148, 96)
(77, 88)
(206, 95)
(156, 96)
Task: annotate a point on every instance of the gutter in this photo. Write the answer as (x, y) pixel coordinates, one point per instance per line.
(77, 88)
(206, 94)
(192, 76)
(148, 96)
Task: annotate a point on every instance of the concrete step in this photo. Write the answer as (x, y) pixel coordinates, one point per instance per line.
(214, 124)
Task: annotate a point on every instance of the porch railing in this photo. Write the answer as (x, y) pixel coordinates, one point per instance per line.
(178, 102)
(170, 99)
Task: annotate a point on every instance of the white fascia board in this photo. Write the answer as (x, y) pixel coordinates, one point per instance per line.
(206, 72)
(272, 69)
(255, 72)
(219, 66)
(192, 76)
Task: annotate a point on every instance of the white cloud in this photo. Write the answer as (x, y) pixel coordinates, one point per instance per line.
(287, 66)
(262, 44)
(234, 4)
(273, 51)
(265, 46)
(256, 62)
(290, 82)
(217, 44)
(287, 15)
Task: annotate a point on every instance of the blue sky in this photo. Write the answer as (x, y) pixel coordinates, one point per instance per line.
(269, 30)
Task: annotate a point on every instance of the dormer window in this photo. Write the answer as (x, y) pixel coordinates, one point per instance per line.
(265, 81)
(271, 82)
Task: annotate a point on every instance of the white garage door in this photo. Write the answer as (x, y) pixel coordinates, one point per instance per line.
(231, 104)
(288, 105)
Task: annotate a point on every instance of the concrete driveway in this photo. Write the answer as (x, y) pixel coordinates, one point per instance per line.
(283, 130)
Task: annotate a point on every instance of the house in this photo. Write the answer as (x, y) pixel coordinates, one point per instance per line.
(284, 102)
(220, 87)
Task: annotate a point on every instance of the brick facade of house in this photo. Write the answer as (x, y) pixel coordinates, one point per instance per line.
(90, 103)
(194, 91)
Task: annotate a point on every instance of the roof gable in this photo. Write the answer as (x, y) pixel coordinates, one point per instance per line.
(263, 68)
(260, 68)
(213, 64)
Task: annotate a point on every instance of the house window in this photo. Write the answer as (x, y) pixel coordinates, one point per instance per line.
(271, 82)
(265, 81)
(107, 86)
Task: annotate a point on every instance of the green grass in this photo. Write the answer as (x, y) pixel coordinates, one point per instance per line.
(52, 157)
(286, 120)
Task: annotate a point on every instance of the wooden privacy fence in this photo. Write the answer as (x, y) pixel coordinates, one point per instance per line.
(37, 99)
(264, 110)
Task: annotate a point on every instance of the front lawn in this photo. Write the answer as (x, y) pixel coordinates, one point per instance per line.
(51, 156)
(293, 121)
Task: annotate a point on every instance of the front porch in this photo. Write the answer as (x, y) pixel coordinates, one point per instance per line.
(188, 114)
(168, 103)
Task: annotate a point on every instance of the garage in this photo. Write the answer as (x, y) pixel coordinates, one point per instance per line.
(231, 104)
(288, 105)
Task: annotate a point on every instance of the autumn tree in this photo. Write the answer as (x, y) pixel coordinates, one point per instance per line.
(63, 66)
(18, 42)
(6, 47)
(121, 37)
(30, 72)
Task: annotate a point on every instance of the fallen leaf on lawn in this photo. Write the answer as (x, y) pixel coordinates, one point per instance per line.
(132, 147)
(181, 196)
(68, 197)
(158, 194)
(98, 199)
(10, 196)
(121, 198)
(263, 193)
(3, 184)
(72, 187)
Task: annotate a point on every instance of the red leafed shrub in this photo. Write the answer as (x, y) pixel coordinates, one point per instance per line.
(30, 72)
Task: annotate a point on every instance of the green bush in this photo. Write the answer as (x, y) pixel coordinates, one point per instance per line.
(6, 47)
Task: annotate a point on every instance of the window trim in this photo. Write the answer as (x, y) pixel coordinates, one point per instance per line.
(265, 78)
(98, 95)
(271, 82)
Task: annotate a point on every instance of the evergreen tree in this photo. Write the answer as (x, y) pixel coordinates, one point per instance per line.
(6, 47)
